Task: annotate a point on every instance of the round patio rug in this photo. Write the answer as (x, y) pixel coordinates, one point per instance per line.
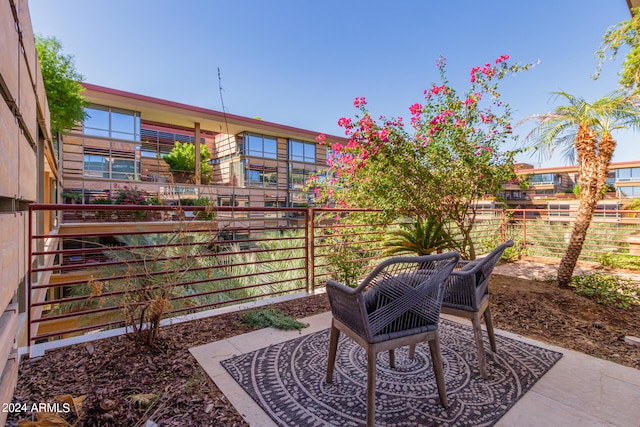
(288, 381)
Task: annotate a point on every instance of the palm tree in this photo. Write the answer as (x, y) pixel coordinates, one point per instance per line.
(583, 131)
(422, 237)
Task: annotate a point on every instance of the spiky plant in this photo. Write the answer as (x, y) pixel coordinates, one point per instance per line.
(422, 237)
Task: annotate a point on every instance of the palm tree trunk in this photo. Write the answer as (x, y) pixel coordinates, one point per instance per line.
(578, 235)
(593, 174)
(585, 145)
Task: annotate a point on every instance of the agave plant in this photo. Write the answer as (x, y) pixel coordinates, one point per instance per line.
(422, 237)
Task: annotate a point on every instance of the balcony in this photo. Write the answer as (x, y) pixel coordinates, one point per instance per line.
(239, 257)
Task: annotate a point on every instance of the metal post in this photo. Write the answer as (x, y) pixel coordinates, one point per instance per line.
(524, 228)
(312, 248)
(29, 273)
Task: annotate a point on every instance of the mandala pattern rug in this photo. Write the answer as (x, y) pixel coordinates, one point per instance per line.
(288, 381)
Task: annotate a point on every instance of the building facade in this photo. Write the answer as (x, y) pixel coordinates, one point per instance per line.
(125, 136)
(537, 187)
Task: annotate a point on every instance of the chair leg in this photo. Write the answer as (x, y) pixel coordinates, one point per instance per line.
(412, 351)
(333, 347)
(392, 359)
(477, 333)
(489, 323)
(438, 369)
(371, 387)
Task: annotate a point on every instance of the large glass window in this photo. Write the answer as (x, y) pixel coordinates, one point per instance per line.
(262, 176)
(96, 166)
(261, 146)
(111, 122)
(105, 166)
(298, 177)
(628, 174)
(629, 192)
(302, 151)
(545, 179)
(123, 169)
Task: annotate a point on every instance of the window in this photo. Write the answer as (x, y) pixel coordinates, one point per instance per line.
(560, 209)
(123, 169)
(111, 122)
(302, 151)
(105, 166)
(96, 166)
(298, 177)
(629, 192)
(545, 179)
(628, 174)
(262, 176)
(607, 210)
(261, 146)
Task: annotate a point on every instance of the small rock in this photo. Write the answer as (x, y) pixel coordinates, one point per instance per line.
(598, 325)
(150, 423)
(632, 341)
(89, 348)
(209, 408)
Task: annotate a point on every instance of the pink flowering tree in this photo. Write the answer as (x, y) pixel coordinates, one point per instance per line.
(439, 163)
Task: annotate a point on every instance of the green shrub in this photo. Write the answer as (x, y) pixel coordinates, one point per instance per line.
(607, 289)
(422, 237)
(510, 254)
(208, 214)
(609, 259)
(271, 317)
(101, 201)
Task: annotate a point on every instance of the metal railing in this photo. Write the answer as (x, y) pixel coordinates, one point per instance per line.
(196, 257)
(111, 258)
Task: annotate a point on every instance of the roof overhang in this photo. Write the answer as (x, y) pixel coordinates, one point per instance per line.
(163, 111)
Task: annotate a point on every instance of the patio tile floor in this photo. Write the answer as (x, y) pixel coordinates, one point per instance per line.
(578, 391)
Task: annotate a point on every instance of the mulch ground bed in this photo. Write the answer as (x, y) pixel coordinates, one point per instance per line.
(112, 372)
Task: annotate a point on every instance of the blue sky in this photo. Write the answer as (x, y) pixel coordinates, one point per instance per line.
(302, 62)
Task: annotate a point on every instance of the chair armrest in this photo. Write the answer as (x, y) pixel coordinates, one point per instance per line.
(340, 287)
(347, 306)
(465, 265)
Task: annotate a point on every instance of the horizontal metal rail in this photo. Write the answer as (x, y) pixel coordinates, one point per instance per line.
(248, 253)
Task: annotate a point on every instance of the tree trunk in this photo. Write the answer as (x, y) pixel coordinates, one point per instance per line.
(578, 235)
(585, 145)
(593, 169)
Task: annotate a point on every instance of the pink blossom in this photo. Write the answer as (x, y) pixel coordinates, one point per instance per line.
(383, 135)
(359, 101)
(437, 89)
(344, 122)
(502, 58)
(321, 138)
(415, 109)
(486, 119)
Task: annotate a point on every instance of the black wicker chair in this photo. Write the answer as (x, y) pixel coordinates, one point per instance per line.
(467, 295)
(393, 306)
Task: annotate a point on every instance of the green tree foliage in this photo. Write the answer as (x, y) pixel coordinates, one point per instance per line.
(61, 83)
(441, 163)
(182, 158)
(623, 34)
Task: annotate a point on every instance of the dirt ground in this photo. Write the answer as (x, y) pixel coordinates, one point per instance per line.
(111, 372)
